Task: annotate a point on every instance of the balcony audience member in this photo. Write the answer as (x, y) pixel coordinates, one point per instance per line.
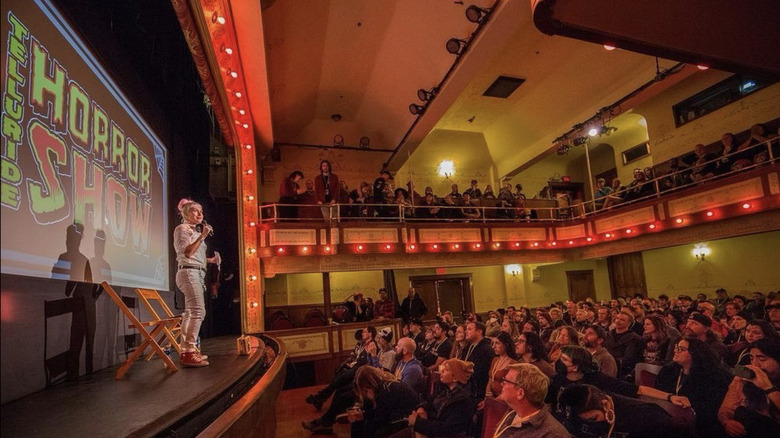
(379, 190)
(530, 348)
(698, 326)
(413, 306)
(624, 344)
(657, 345)
(704, 165)
(289, 193)
(488, 194)
(363, 199)
(473, 190)
(455, 194)
(429, 191)
(428, 208)
(385, 306)
(679, 175)
(752, 152)
(591, 411)
(593, 341)
(751, 406)
(458, 341)
(403, 207)
(698, 375)
(524, 390)
(480, 352)
(469, 210)
(519, 192)
(566, 336)
(345, 209)
(639, 187)
(308, 198)
(506, 199)
(581, 321)
(756, 329)
(684, 303)
(450, 409)
(729, 157)
(386, 403)
(616, 196)
(382, 354)
(327, 190)
(602, 191)
(450, 210)
(358, 309)
(414, 197)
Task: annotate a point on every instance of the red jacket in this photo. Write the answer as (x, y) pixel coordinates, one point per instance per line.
(333, 184)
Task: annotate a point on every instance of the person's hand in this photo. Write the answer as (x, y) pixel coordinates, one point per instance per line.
(217, 258)
(333, 202)
(761, 380)
(319, 202)
(412, 418)
(680, 400)
(371, 348)
(481, 405)
(354, 414)
(734, 428)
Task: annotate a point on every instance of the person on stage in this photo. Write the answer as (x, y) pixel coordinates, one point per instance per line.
(189, 243)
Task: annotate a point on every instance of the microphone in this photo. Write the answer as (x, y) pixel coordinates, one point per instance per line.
(200, 226)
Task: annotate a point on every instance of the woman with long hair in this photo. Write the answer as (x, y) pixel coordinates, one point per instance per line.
(566, 336)
(504, 348)
(655, 341)
(458, 341)
(450, 410)
(510, 327)
(189, 243)
(529, 346)
(756, 329)
(385, 404)
(697, 374)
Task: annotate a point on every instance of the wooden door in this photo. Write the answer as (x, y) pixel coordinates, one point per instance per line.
(627, 275)
(426, 290)
(444, 292)
(581, 285)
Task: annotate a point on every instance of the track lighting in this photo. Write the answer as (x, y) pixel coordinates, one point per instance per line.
(426, 95)
(416, 109)
(456, 46)
(475, 14)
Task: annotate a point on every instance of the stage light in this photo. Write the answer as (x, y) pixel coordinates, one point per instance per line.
(593, 132)
(609, 47)
(746, 206)
(416, 109)
(305, 249)
(232, 73)
(216, 18)
(280, 250)
(475, 14)
(426, 95)
(679, 220)
(456, 46)
(446, 168)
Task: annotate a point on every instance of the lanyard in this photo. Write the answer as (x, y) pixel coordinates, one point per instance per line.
(468, 353)
(500, 430)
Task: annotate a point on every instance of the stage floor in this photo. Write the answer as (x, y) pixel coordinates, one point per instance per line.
(145, 402)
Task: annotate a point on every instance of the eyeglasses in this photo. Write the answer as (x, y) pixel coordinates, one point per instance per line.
(508, 382)
(679, 349)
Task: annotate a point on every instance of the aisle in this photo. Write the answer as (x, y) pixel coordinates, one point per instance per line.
(291, 409)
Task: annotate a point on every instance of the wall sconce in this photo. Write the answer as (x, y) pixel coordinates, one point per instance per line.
(446, 168)
(701, 251)
(513, 270)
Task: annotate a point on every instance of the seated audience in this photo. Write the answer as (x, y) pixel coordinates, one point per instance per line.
(488, 195)
(450, 210)
(509, 326)
(458, 341)
(429, 207)
(450, 409)
(592, 412)
(739, 352)
(657, 346)
(456, 196)
(566, 336)
(624, 344)
(530, 347)
(384, 404)
(473, 190)
(408, 369)
(602, 191)
(469, 210)
(698, 326)
(704, 165)
(382, 354)
(504, 349)
(697, 374)
(524, 390)
(754, 153)
(617, 194)
(593, 341)
(751, 406)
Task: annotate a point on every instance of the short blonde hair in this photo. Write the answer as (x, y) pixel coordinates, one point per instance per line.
(533, 381)
(556, 311)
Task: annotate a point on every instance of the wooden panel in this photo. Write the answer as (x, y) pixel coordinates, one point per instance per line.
(573, 232)
(730, 194)
(627, 274)
(643, 215)
(518, 234)
(581, 285)
(292, 237)
(309, 344)
(370, 235)
(450, 235)
(774, 184)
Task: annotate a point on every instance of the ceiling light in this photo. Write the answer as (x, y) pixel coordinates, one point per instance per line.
(456, 46)
(416, 109)
(426, 95)
(475, 14)
(446, 168)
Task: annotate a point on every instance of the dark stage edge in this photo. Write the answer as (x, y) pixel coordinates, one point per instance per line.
(148, 401)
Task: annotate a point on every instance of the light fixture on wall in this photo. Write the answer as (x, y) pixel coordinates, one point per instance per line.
(701, 251)
(456, 46)
(513, 270)
(446, 168)
(475, 14)
(426, 95)
(416, 109)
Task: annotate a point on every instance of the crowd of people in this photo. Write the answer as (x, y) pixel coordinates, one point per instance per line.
(569, 369)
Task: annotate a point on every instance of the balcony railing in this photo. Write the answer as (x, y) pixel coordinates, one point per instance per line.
(531, 210)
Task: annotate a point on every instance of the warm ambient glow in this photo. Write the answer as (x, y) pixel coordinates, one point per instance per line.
(628, 231)
(554, 243)
(652, 226)
(327, 249)
(435, 246)
(700, 251)
(590, 239)
(517, 244)
(478, 245)
(360, 248)
(513, 270)
(412, 247)
(571, 242)
(456, 246)
(536, 243)
(446, 168)
(593, 132)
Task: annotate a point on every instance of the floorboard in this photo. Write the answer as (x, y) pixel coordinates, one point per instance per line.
(291, 409)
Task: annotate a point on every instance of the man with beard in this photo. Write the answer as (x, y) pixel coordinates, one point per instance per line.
(698, 326)
(593, 341)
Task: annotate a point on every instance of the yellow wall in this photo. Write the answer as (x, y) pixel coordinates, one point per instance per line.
(297, 289)
(552, 285)
(749, 263)
(467, 150)
(667, 141)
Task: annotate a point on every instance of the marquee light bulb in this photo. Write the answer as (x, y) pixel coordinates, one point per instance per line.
(679, 220)
(252, 224)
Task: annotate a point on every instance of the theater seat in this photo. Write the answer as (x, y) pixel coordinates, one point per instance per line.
(645, 374)
(493, 413)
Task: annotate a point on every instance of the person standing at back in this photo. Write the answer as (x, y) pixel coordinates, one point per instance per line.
(413, 306)
(327, 189)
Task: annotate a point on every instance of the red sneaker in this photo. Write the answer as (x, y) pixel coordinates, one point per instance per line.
(192, 360)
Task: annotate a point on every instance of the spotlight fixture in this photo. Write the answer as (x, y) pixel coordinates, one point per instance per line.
(338, 140)
(456, 46)
(601, 130)
(364, 142)
(579, 141)
(475, 14)
(416, 109)
(426, 95)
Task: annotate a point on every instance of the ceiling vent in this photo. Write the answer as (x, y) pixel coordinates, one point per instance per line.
(503, 87)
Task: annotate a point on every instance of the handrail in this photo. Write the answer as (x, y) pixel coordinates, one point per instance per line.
(391, 212)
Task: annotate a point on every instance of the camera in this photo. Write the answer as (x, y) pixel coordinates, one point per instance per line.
(744, 372)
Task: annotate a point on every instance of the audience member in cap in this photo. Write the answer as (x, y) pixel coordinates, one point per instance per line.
(450, 410)
(441, 348)
(592, 412)
(416, 332)
(524, 390)
(684, 303)
(707, 309)
(735, 333)
(698, 326)
(700, 376)
(751, 406)
(383, 356)
(593, 341)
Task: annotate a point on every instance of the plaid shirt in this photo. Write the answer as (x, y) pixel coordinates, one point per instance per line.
(384, 308)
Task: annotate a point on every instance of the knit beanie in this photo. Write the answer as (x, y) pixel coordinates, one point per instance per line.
(461, 370)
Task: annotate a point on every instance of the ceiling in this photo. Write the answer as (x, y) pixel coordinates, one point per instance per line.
(365, 62)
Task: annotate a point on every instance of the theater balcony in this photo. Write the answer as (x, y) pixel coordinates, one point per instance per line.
(740, 203)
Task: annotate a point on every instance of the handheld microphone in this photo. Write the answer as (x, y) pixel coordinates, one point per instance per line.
(202, 225)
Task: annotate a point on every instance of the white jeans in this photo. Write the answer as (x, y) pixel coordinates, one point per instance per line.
(191, 283)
